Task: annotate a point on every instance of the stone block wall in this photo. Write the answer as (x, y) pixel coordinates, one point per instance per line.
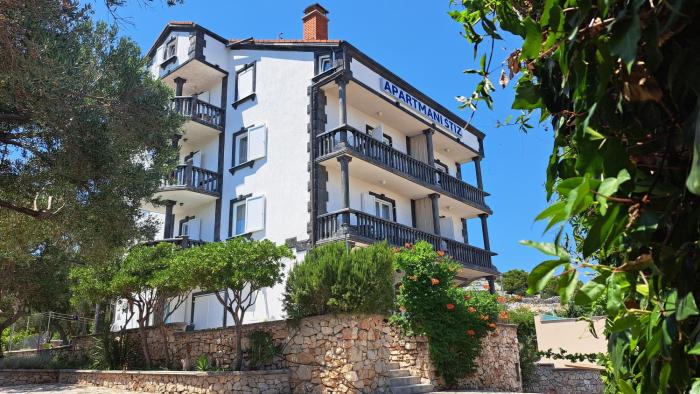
(14, 377)
(261, 382)
(550, 380)
(344, 353)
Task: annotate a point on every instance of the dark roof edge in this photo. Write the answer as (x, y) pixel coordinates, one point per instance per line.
(356, 53)
(181, 26)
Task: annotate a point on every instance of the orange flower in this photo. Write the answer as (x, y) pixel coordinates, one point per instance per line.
(435, 281)
(408, 245)
(467, 297)
(492, 326)
(501, 299)
(503, 315)
(413, 278)
(471, 332)
(450, 307)
(471, 309)
(441, 253)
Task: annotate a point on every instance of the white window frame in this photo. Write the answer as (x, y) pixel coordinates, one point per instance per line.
(240, 97)
(324, 60)
(379, 204)
(171, 44)
(256, 146)
(252, 221)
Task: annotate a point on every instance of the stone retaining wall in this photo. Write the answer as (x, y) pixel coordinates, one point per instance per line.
(13, 377)
(261, 382)
(550, 380)
(344, 353)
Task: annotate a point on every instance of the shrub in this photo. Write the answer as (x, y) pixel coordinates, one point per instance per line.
(453, 320)
(262, 349)
(515, 282)
(332, 279)
(202, 363)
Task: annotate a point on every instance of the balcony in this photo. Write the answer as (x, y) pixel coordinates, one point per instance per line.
(194, 179)
(365, 147)
(183, 242)
(366, 228)
(205, 121)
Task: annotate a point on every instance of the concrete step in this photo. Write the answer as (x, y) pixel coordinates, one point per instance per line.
(412, 389)
(398, 373)
(404, 381)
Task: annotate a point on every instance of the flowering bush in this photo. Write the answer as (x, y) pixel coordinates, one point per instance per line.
(429, 304)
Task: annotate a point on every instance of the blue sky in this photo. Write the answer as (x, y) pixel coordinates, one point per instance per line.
(422, 45)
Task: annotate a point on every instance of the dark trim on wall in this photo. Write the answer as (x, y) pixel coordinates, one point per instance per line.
(413, 213)
(220, 161)
(408, 146)
(458, 166)
(240, 100)
(230, 211)
(183, 221)
(465, 231)
(204, 293)
(186, 27)
(442, 165)
(199, 44)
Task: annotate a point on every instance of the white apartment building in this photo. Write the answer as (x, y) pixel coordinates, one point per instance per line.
(305, 142)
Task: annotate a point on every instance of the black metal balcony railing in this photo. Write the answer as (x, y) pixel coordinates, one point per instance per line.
(366, 226)
(198, 110)
(193, 177)
(375, 150)
(183, 242)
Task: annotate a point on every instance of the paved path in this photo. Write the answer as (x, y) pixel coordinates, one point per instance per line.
(59, 389)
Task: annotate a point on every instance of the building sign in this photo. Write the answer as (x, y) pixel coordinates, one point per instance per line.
(421, 107)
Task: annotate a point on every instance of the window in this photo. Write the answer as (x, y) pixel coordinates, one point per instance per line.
(379, 205)
(249, 144)
(378, 133)
(170, 48)
(245, 84)
(324, 63)
(247, 214)
(383, 209)
(440, 166)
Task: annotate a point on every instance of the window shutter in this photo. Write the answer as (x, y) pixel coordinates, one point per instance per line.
(378, 133)
(447, 228)
(193, 226)
(257, 141)
(255, 214)
(245, 83)
(368, 204)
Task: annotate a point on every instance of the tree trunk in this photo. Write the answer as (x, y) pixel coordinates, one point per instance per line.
(61, 331)
(166, 345)
(144, 343)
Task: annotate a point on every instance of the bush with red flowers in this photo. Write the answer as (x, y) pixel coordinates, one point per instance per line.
(453, 320)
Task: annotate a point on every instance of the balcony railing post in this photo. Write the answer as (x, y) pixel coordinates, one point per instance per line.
(187, 181)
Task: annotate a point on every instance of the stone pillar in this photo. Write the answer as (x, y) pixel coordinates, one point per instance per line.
(429, 146)
(485, 231)
(477, 167)
(342, 82)
(436, 212)
(465, 231)
(169, 224)
(179, 85)
(345, 187)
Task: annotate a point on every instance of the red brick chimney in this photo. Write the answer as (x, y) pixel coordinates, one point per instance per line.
(315, 22)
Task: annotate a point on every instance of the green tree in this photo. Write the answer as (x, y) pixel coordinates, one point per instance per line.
(235, 270)
(515, 281)
(613, 79)
(333, 279)
(85, 130)
(146, 278)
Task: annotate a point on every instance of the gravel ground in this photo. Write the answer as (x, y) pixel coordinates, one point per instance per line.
(59, 389)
